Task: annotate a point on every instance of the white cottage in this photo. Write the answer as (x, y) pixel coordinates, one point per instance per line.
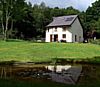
(65, 28)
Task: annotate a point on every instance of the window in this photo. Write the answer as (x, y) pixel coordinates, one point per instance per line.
(64, 28)
(64, 35)
(69, 18)
(55, 29)
(48, 30)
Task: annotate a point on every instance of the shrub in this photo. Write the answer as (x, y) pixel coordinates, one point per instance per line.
(97, 41)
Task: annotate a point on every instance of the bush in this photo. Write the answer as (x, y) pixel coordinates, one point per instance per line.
(97, 41)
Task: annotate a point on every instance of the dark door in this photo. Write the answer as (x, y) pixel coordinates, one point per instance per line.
(75, 38)
(55, 38)
(50, 38)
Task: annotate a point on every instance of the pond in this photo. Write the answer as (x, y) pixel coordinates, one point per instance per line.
(67, 73)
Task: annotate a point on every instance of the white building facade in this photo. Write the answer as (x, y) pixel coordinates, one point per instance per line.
(69, 30)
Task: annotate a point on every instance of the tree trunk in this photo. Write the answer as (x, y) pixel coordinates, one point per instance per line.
(6, 29)
(6, 25)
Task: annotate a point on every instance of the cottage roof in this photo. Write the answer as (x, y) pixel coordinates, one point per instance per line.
(62, 21)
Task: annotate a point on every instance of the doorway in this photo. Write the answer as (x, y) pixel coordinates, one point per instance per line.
(55, 38)
(75, 38)
(50, 38)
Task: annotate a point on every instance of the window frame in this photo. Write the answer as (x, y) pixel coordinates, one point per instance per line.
(64, 36)
(55, 29)
(64, 28)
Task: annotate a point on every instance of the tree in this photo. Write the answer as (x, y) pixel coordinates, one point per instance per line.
(8, 11)
(6, 7)
(22, 20)
(93, 17)
(71, 11)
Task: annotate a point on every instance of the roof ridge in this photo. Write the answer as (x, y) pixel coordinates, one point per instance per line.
(65, 16)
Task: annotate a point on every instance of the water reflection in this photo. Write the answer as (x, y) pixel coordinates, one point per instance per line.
(68, 74)
(65, 74)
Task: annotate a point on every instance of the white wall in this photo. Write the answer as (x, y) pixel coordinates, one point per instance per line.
(59, 32)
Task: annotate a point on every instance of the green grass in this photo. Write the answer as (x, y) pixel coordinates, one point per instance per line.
(27, 51)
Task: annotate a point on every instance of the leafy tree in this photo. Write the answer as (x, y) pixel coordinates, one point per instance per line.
(93, 17)
(9, 8)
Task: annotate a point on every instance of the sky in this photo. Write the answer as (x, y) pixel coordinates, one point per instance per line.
(81, 5)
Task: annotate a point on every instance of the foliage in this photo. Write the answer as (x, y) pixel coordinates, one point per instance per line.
(27, 21)
(93, 18)
(95, 41)
(24, 21)
(9, 8)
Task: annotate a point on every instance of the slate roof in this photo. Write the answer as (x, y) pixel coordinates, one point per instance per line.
(62, 21)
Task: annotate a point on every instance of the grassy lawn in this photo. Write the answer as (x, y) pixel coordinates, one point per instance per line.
(28, 51)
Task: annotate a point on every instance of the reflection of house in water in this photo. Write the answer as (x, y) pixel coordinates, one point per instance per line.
(65, 74)
(58, 68)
